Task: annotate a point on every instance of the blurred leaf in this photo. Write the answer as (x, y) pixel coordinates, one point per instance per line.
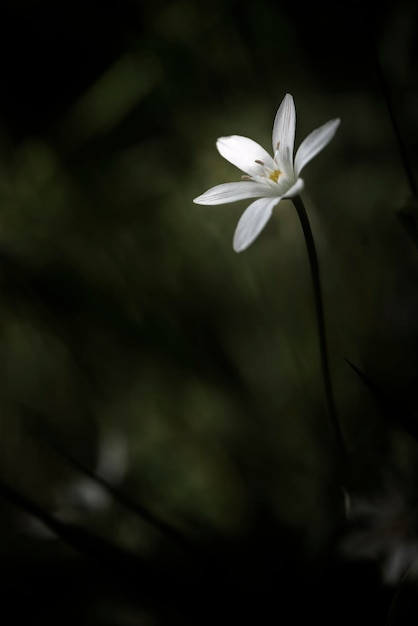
(47, 435)
(106, 103)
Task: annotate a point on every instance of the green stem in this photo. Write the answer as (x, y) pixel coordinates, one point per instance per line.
(319, 308)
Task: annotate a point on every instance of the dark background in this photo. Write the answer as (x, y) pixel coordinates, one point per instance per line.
(134, 343)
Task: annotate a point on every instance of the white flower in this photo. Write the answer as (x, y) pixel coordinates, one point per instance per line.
(267, 178)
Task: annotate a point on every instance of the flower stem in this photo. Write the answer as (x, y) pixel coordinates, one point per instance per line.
(319, 308)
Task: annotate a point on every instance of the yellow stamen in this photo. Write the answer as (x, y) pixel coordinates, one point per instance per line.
(274, 176)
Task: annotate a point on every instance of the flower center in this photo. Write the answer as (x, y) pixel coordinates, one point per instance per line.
(274, 176)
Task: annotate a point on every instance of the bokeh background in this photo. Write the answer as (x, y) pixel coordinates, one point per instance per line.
(138, 348)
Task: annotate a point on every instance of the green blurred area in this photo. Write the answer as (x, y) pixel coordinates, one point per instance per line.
(126, 316)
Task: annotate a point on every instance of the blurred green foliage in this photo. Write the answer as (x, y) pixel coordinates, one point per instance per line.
(127, 317)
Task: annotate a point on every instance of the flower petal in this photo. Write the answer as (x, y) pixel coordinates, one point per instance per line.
(252, 222)
(314, 143)
(230, 192)
(295, 189)
(284, 129)
(243, 153)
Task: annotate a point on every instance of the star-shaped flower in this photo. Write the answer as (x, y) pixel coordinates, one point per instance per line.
(267, 178)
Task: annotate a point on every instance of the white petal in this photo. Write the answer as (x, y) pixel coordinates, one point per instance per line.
(284, 129)
(252, 222)
(295, 189)
(314, 143)
(243, 153)
(230, 192)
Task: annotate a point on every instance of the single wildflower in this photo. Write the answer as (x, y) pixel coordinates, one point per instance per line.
(268, 178)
